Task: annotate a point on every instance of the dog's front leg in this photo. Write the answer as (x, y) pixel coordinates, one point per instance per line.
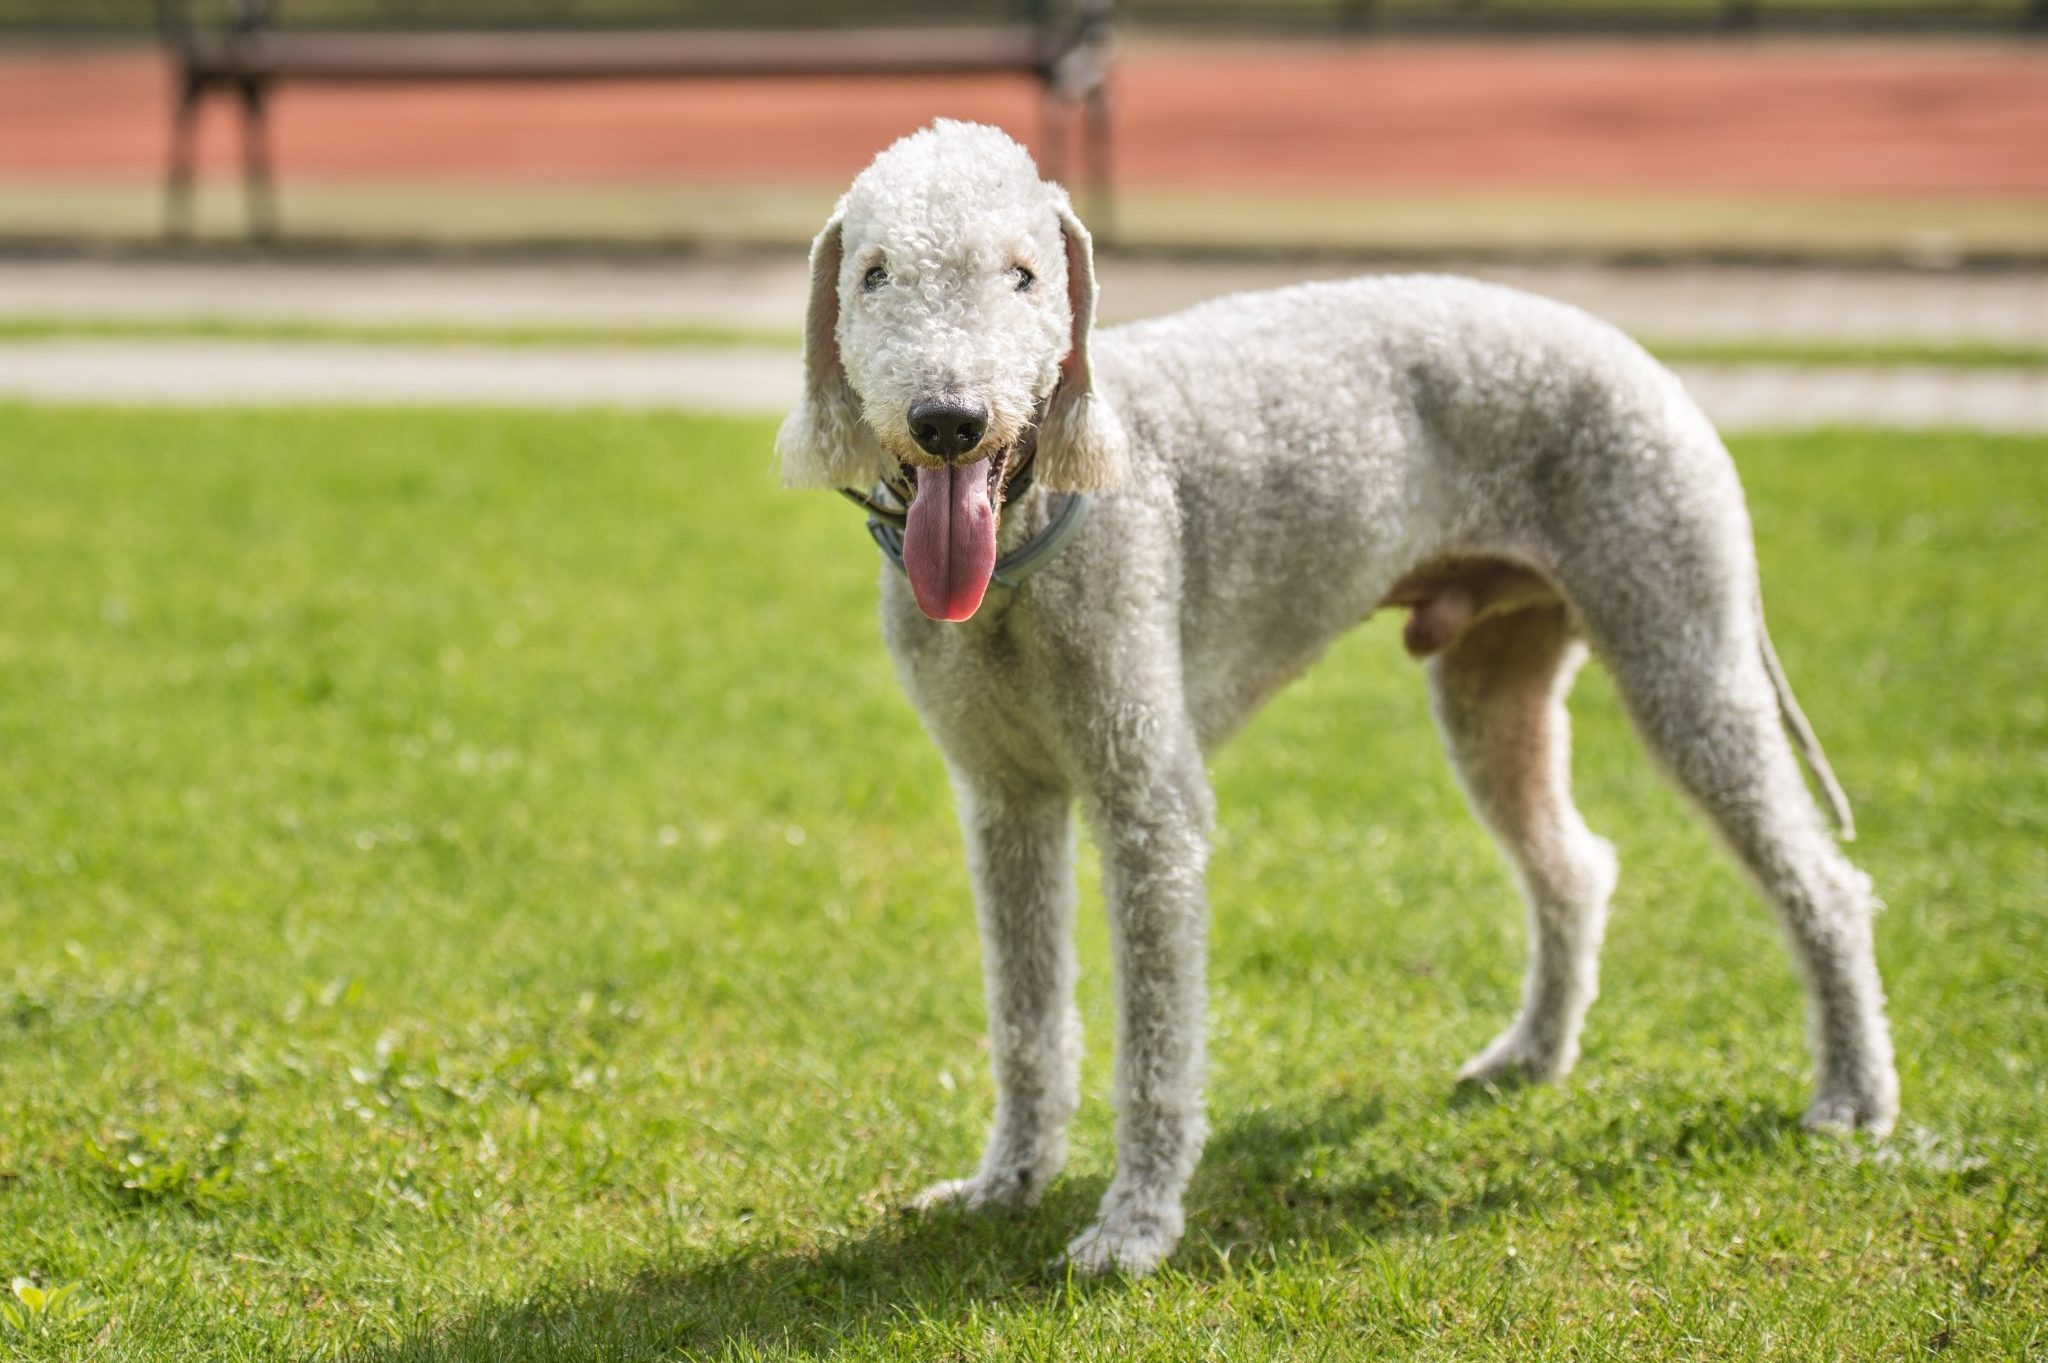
(1152, 827)
(1020, 853)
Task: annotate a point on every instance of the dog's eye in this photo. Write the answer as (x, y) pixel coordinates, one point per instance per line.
(874, 279)
(1025, 279)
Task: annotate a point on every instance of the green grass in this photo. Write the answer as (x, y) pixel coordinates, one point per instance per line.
(31, 327)
(471, 888)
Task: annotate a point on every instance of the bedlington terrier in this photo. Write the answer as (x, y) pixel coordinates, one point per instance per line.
(1266, 471)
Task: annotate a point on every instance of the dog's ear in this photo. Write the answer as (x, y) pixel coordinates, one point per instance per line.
(824, 443)
(1081, 442)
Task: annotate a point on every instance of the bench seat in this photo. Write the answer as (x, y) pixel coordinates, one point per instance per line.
(1067, 55)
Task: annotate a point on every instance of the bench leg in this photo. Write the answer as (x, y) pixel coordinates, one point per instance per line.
(262, 201)
(178, 183)
(1095, 135)
(1054, 134)
(1088, 82)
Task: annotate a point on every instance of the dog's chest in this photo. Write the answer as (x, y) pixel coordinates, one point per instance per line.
(982, 686)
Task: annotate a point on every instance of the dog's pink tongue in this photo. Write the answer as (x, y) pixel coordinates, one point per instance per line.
(949, 541)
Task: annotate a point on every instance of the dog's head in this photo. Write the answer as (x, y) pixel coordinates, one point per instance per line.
(952, 294)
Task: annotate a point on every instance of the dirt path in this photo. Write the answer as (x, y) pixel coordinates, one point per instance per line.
(766, 382)
(1923, 115)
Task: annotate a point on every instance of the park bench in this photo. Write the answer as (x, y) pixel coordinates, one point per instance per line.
(246, 50)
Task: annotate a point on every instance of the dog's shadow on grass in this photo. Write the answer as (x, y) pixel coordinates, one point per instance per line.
(813, 1302)
(1262, 1192)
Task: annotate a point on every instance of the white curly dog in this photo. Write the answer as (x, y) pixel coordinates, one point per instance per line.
(1266, 471)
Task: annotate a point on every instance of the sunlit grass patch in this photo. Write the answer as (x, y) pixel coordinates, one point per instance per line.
(475, 877)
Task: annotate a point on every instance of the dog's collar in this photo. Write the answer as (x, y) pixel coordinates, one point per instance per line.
(888, 508)
(1070, 511)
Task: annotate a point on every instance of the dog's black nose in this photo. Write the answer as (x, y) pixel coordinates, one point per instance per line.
(947, 427)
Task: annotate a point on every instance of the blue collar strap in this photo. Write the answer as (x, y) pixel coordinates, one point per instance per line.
(1070, 513)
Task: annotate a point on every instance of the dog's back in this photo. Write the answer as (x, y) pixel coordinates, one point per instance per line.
(1321, 443)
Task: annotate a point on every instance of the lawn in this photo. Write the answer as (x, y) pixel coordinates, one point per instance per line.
(470, 888)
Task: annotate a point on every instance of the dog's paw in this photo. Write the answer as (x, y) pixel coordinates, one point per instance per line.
(1134, 1248)
(1516, 1057)
(1008, 1190)
(1843, 1111)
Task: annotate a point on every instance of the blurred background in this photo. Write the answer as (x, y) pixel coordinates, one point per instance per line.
(1876, 129)
(1709, 173)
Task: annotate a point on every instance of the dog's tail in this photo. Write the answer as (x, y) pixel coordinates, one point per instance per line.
(1802, 733)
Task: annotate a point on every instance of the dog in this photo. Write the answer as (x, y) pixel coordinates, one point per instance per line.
(1115, 545)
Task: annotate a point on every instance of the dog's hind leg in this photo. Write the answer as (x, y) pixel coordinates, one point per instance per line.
(1020, 853)
(1688, 655)
(1498, 696)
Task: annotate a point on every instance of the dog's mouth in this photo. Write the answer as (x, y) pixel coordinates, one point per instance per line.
(949, 536)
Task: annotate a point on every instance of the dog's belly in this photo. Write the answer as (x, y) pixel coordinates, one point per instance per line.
(1262, 601)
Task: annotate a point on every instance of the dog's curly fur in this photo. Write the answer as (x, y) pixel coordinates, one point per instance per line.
(1271, 469)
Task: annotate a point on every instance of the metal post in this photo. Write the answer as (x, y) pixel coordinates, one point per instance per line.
(1101, 206)
(174, 27)
(1053, 129)
(184, 132)
(1095, 39)
(262, 205)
